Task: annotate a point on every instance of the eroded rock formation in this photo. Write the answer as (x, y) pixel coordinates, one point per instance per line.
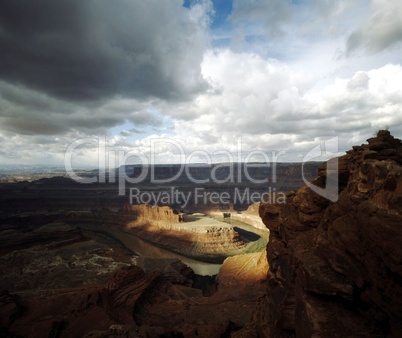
(198, 237)
(336, 267)
(145, 213)
(134, 303)
(243, 270)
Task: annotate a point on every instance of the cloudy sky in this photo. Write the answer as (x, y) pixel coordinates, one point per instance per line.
(200, 78)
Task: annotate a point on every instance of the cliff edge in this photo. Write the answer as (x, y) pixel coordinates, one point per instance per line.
(336, 267)
(194, 236)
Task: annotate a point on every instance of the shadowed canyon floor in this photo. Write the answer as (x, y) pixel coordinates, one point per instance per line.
(70, 269)
(78, 268)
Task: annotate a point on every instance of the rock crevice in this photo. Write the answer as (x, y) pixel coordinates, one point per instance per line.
(336, 267)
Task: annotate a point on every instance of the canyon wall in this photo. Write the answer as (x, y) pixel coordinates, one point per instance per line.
(197, 237)
(246, 269)
(250, 216)
(336, 267)
(135, 303)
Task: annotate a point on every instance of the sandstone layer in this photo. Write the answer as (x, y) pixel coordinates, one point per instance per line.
(134, 303)
(336, 267)
(250, 216)
(195, 236)
(243, 270)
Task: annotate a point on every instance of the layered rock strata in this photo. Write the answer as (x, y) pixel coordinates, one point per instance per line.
(336, 267)
(250, 216)
(134, 303)
(197, 237)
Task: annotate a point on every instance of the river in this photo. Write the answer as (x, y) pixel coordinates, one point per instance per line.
(148, 250)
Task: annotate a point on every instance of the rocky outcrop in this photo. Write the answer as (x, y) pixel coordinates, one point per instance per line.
(336, 267)
(132, 303)
(199, 237)
(144, 213)
(74, 312)
(245, 270)
(52, 235)
(250, 216)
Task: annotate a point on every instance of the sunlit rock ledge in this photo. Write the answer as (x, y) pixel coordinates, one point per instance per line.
(196, 236)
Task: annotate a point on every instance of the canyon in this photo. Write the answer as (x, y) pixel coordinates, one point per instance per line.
(92, 286)
(192, 235)
(71, 266)
(329, 268)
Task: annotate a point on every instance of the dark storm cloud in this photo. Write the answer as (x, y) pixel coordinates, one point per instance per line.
(29, 126)
(87, 50)
(29, 112)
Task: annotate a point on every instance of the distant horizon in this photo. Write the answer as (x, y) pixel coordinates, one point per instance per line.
(155, 164)
(200, 75)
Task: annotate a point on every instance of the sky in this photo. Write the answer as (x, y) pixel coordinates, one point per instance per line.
(196, 80)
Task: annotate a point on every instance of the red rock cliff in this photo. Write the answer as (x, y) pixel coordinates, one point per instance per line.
(336, 268)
